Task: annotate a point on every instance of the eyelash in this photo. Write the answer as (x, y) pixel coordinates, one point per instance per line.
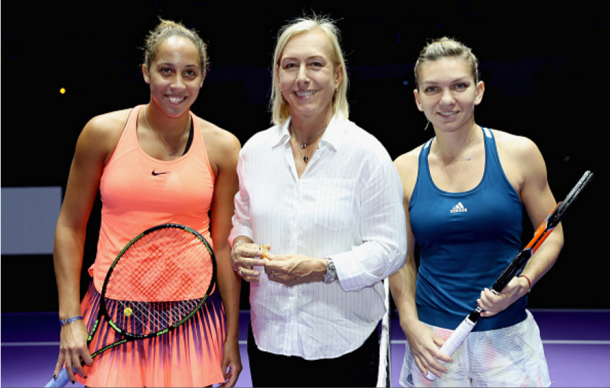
(293, 65)
(460, 86)
(167, 71)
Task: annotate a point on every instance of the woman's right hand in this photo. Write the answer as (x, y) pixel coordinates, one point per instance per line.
(425, 346)
(73, 350)
(245, 256)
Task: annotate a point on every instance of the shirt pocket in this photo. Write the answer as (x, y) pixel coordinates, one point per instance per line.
(336, 203)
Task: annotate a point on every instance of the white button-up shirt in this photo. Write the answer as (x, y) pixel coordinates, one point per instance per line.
(347, 205)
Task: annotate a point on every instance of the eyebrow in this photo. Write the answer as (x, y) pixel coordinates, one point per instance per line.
(433, 82)
(308, 58)
(173, 64)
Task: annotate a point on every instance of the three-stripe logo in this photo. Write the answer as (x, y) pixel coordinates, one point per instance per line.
(459, 208)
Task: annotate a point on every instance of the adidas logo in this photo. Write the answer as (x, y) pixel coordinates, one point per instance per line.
(410, 380)
(459, 208)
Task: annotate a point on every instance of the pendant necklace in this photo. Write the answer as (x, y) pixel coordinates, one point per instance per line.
(303, 146)
(156, 141)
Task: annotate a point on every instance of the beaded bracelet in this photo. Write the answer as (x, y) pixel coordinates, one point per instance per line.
(69, 320)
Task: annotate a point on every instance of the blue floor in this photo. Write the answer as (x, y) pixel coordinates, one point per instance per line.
(577, 347)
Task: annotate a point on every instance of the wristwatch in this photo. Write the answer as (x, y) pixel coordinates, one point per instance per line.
(331, 272)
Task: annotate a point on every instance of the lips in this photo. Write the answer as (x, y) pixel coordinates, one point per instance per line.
(305, 93)
(176, 99)
(448, 114)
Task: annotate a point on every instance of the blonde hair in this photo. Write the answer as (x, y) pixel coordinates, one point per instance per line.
(279, 106)
(443, 48)
(167, 29)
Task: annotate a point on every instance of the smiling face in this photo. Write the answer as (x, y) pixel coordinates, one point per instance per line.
(175, 76)
(448, 93)
(308, 76)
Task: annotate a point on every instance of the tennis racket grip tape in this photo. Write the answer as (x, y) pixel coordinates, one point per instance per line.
(60, 381)
(454, 341)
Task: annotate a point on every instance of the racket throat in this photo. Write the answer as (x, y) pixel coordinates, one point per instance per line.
(474, 316)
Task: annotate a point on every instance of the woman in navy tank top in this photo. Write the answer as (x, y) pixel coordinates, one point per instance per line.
(465, 191)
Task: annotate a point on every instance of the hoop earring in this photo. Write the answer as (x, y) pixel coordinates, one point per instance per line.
(428, 123)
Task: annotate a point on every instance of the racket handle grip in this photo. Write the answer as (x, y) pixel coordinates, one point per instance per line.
(453, 342)
(60, 381)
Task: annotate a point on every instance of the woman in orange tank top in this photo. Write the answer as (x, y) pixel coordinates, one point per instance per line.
(153, 164)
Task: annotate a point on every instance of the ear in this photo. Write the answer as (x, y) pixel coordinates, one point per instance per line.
(417, 100)
(338, 76)
(146, 74)
(480, 92)
(202, 78)
(279, 80)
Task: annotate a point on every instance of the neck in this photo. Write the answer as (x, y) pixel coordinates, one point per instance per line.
(164, 125)
(307, 127)
(453, 145)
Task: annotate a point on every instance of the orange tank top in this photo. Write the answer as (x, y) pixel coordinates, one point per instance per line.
(138, 192)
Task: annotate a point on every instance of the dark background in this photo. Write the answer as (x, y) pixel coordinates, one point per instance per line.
(542, 65)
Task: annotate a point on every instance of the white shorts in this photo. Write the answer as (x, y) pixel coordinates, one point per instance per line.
(508, 357)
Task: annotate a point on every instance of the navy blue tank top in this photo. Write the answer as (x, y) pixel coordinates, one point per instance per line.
(465, 240)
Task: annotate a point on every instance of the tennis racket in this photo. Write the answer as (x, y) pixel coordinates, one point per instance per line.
(384, 373)
(156, 283)
(543, 231)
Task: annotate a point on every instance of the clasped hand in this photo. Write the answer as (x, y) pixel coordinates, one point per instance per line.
(288, 269)
(492, 304)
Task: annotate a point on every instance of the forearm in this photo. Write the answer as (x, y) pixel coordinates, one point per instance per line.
(67, 260)
(229, 285)
(403, 288)
(382, 225)
(545, 257)
(369, 263)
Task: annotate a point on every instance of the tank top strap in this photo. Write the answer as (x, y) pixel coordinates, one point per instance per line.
(198, 148)
(494, 173)
(129, 138)
(423, 183)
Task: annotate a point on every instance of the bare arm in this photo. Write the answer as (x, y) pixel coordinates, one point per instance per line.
(94, 145)
(223, 150)
(424, 344)
(539, 202)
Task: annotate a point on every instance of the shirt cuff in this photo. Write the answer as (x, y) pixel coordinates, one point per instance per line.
(240, 230)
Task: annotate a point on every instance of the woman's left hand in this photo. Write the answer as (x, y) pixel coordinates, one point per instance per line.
(493, 304)
(291, 270)
(231, 363)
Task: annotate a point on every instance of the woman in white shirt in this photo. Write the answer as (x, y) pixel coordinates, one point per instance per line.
(324, 197)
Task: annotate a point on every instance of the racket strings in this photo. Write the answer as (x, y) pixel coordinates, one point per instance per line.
(151, 317)
(159, 280)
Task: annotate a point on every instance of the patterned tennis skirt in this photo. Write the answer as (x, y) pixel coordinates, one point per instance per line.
(509, 357)
(190, 355)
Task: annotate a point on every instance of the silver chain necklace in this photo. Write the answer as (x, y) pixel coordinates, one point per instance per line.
(304, 145)
(154, 137)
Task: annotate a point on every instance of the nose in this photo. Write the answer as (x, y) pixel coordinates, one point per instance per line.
(178, 83)
(447, 97)
(302, 76)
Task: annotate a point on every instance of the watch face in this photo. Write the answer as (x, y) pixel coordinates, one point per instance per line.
(331, 273)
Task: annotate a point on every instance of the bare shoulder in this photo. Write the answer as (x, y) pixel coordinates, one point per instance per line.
(107, 126)
(222, 146)
(521, 160)
(408, 160)
(407, 165)
(219, 137)
(519, 146)
(102, 132)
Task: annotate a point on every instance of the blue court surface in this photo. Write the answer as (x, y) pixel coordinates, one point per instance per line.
(576, 343)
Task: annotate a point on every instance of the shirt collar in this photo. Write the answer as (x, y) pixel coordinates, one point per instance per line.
(332, 137)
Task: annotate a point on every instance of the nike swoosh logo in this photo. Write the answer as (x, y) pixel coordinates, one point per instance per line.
(159, 173)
